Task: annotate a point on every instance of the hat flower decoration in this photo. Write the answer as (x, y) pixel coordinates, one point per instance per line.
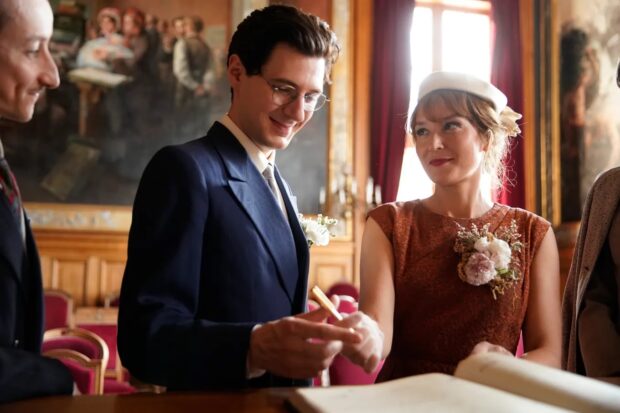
(488, 258)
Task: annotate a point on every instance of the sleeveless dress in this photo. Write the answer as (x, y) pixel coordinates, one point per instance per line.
(438, 318)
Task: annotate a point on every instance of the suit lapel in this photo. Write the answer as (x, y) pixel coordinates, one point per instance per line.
(301, 244)
(256, 199)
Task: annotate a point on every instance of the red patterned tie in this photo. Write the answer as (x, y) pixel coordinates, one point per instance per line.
(10, 189)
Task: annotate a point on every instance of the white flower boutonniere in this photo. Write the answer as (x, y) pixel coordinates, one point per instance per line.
(317, 229)
(486, 258)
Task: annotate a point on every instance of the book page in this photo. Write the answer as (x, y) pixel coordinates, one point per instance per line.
(435, 393)
(542, 383)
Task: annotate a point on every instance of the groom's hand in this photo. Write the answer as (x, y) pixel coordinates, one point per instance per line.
(298, 347)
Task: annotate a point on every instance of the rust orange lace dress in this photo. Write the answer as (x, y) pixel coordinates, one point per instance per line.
(438, 318)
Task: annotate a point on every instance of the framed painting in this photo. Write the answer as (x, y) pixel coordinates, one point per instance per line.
(576, 102)
(80, 159)
(589, 102)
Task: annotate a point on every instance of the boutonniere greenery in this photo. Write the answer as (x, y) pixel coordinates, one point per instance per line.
(488, 258)
(317, 230)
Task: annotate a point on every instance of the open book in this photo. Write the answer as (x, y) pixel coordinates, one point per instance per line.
(488, 382)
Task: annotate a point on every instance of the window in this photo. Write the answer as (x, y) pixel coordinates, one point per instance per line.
(445, 35)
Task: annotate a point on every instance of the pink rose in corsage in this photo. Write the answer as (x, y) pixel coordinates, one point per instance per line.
(487, 258)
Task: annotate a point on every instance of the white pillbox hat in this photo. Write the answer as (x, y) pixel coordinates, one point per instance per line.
(463, 82)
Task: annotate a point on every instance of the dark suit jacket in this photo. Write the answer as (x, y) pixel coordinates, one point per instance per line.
(210, 256)
(24, 373)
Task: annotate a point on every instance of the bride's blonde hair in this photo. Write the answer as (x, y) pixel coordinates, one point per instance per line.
(495, 129)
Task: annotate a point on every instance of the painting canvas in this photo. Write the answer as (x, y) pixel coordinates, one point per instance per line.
(118, 103)
(589, 99)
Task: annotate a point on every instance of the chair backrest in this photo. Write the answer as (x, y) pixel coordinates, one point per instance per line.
(81, 351)
(108, 333)
(58, 309)
(344, 288)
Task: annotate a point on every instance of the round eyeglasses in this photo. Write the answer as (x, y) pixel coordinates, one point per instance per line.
(285, 94)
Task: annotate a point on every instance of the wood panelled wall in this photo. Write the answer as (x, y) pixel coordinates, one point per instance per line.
(89, 265)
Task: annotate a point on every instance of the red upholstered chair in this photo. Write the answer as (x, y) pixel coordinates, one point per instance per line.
(58, 309)
(115, 379)
(112, 386)
(342, 371)
(83, 352)
(344, 288)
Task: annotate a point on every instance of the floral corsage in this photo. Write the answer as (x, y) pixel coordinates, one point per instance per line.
(487, 258)
(317, 229)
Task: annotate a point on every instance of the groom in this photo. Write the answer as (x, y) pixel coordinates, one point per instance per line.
(217, 261)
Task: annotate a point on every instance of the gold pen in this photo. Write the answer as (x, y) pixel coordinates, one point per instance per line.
(325, 302)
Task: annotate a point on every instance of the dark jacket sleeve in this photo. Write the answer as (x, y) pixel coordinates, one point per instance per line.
(161, 340)
(24, 375)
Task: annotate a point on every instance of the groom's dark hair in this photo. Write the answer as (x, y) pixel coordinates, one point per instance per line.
(259, 33)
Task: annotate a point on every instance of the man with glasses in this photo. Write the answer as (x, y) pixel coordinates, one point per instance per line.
(217, 262)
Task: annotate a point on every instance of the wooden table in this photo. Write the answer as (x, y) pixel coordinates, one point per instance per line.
(261, 401)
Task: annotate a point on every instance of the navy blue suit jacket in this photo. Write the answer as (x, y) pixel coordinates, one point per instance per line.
(24, 373)
(210, 255)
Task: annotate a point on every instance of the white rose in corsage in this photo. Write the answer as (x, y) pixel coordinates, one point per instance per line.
(487, 258)
(317, 229)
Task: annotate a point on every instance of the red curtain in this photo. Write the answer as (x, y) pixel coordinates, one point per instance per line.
(391, 72)
(506, 74)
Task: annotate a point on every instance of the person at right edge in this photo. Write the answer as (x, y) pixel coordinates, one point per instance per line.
(591, 306)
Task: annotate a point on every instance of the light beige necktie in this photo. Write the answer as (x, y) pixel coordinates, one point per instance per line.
(271, 180)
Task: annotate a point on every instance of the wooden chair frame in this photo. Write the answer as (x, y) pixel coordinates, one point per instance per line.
(98, 365)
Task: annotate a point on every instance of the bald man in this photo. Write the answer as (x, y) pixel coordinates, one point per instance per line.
(26, 69)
